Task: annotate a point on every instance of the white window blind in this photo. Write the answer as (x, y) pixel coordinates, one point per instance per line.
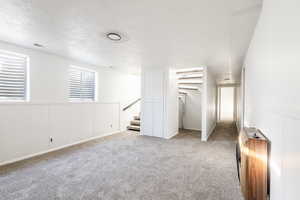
(13, 74)
(82, 84)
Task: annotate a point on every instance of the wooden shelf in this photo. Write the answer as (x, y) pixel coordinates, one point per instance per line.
(253, 164)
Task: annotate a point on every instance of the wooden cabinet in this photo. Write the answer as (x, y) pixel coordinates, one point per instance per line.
(253, 164)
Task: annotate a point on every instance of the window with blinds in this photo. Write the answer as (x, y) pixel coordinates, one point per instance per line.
(13, 76)
(82, 84)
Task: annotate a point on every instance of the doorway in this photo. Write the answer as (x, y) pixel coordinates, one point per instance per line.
(226, 111)
(189, 89)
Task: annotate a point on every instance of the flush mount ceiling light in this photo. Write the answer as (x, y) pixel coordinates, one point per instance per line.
(114, 36)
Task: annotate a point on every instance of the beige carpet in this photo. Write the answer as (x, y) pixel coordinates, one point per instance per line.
(131, 167)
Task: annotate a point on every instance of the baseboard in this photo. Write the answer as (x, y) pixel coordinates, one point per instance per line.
(57, 148)
(173, 135)
(192, 129)
(210, 132)
(237, 126)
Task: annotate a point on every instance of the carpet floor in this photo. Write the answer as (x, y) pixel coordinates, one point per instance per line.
(130, 167)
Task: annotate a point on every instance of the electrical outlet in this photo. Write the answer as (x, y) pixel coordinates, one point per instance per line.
(51, 140)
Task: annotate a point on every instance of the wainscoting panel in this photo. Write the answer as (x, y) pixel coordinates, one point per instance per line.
(22, 130)
(107, 118)
(28, 129)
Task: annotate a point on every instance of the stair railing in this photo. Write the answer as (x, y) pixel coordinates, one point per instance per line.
(131, 104)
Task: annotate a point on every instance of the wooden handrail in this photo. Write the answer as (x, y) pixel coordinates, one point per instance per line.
(131, 104)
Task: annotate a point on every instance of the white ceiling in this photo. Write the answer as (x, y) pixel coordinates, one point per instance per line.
(175, 33)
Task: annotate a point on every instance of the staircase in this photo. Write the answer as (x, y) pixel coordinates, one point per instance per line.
(135, 124)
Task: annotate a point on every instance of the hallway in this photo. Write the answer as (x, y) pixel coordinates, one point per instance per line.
(127, 166)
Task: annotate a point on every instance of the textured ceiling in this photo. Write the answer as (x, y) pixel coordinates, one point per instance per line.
(172, 33)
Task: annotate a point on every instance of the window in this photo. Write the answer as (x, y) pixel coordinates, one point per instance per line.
(82, 84)
(13, 76)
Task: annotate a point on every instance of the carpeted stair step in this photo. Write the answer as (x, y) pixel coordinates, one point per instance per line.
(137, 118)
(135, 122)
(133, 128)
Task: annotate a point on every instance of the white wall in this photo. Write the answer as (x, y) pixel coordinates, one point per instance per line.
(238, 107)
(122, 88)
(272, 96)
(171, 103)
(181, 102)
(25, 128)
(209, 104)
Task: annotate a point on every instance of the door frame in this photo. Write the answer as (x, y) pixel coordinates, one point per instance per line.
(243, 103)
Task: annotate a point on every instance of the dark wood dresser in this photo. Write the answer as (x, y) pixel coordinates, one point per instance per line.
(253, 152)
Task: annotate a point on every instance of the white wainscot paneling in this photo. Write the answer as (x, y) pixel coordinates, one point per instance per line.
(22, 130)
(26, 129)
(106, 118)
(61, 124)
(70, 123)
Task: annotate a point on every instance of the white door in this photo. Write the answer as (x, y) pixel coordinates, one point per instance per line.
(226, 104)
(152, 107)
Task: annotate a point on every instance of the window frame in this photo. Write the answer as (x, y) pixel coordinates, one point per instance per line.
(95, 85)
(26, 79)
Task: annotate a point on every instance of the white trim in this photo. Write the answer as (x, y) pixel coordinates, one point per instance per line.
(204, 106)
(57, 148)
(192, 129)
(210, 132)
(242, 99)
(51, 103)
(79, 101)
(171, 136)
(237, 126)
(96, 87)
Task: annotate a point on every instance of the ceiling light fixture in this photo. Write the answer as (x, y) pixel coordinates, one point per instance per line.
(38, 45)
(114, 36)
